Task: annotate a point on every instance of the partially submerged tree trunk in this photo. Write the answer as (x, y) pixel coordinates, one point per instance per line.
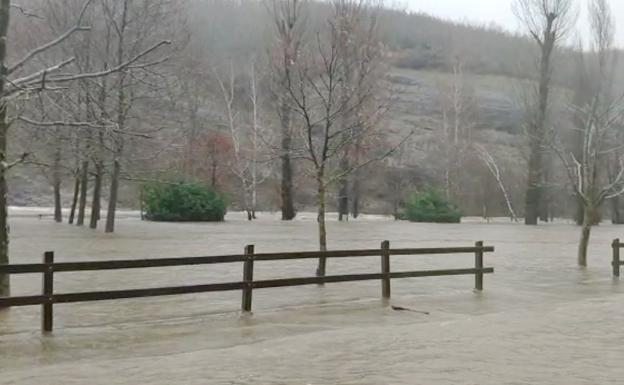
(84, 184)
(288, 207)
(322, 229)
(547, 22)
(72, 211)
(534, 192)
(617, 218)
(616, 213)
(355, 180)
(599, 116)
(355, 194)
(112, 197)
(544, 200)
(286, 16)
(5, 290)
(56, 182)
(585, 233)
(4, 225)
(58, 207)
(343, 190)
(96, 203)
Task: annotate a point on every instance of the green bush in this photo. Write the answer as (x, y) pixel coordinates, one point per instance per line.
(430, 206)
(183, 202)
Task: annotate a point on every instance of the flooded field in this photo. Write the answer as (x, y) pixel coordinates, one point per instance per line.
(540, 320)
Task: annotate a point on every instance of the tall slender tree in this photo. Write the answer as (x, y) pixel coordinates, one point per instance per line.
(288, 22)
(548, 23)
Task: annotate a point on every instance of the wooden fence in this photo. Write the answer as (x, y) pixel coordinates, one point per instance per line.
(616, 245)
(49, 268)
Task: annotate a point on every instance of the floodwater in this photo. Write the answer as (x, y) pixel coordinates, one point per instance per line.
(540, 320)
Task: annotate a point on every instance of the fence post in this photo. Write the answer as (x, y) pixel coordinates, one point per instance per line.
(47, 292)
(616, 257)
(248, 278)
(385, 269)
(479, 266)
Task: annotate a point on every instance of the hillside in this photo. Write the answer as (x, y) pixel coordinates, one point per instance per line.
(421, 52)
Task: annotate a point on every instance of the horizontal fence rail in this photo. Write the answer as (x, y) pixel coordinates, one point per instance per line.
(48, 268)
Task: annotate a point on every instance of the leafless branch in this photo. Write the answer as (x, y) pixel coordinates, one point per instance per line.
(54, 42)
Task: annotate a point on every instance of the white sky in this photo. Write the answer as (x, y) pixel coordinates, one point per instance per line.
(499, 11)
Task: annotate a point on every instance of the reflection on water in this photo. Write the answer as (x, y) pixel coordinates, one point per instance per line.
(539, 320)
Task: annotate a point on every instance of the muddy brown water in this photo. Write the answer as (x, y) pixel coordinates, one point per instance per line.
(540, 320)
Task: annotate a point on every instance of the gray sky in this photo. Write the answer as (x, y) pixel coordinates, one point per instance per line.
(499, 11)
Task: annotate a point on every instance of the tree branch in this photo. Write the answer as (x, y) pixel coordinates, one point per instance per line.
(7, 166)
(52, 43)
(122, 66)
(82, 125)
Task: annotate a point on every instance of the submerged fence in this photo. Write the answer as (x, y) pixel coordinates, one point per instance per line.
(49, 268)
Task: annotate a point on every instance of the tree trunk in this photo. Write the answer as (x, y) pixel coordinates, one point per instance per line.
(58, 209)
(485, 212)
(343, 190)
(544, 200)
(96, 204)
(355, 194)
(112, 197)
(213, 175)
(322, 264)
(141, 202)
(122, 110)
(579, 215)
(288, 208)
(533, 194)
(396, 199)
(616, 215)
(254, 196)
(84, 184)
(537, 130)
(585, 233)
(5, 288)
(74, 204)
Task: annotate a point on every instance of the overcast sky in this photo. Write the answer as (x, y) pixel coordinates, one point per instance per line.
(499, 11)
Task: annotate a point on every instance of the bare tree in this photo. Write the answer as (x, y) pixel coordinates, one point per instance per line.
(357, 25)
(134, 24)
(548, 22)
(288, 21)
(22, 78)
(602, 117)
(492, 166)
(457, 121)
(245, 137)
(315, 91)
